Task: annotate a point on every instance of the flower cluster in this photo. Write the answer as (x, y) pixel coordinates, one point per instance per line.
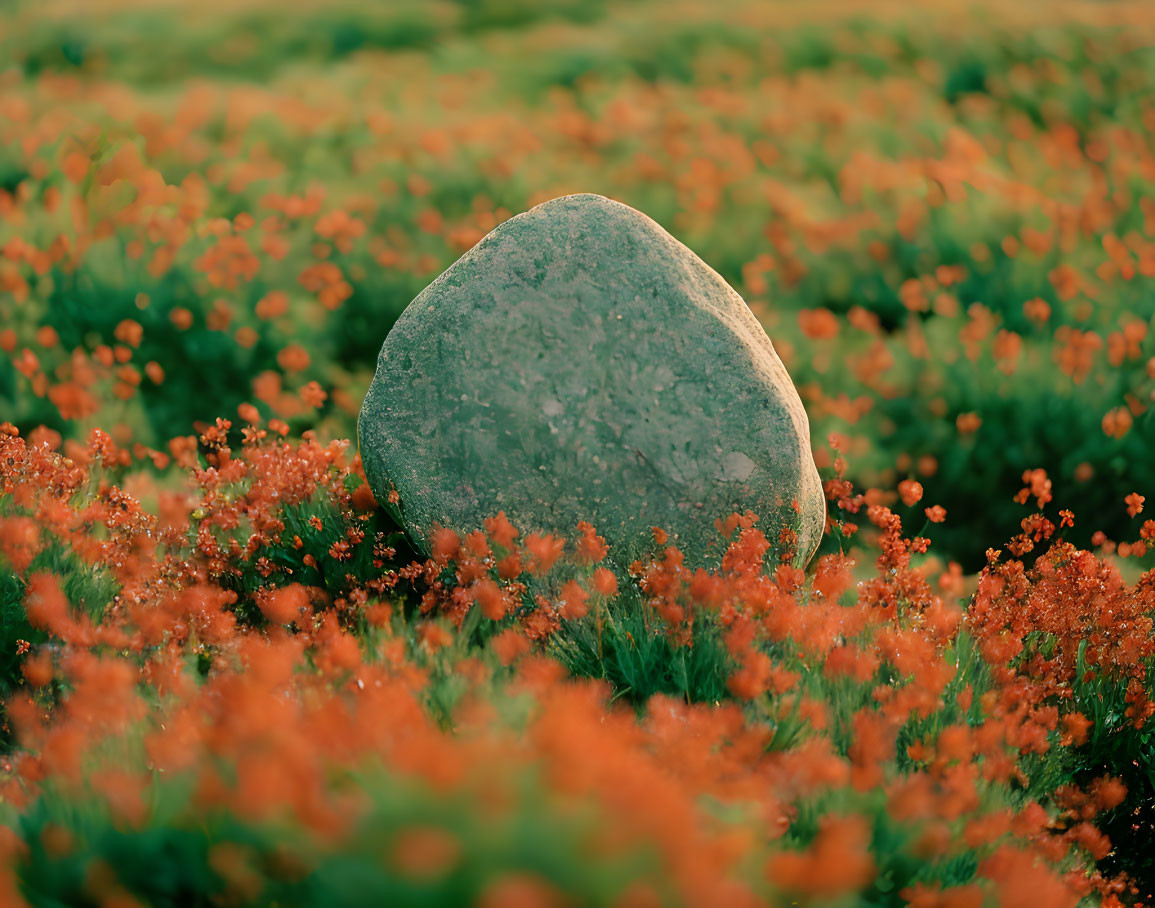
(252, 663)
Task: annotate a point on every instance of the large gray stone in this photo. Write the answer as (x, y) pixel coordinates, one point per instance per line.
(579, 363)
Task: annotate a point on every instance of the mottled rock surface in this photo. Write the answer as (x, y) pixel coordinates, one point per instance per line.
(579, 363)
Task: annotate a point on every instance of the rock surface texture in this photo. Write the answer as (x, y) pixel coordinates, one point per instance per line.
(579, 363)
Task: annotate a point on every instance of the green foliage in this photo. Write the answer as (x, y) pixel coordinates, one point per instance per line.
(625, 643)
(186, 859)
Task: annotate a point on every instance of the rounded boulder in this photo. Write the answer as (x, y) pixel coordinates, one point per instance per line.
(580, 363)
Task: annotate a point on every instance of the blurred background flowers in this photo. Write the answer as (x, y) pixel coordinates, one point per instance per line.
(941, 213)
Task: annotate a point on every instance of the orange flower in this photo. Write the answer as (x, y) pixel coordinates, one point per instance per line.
(293, 358)
(1037, 485)
(313, 395)
(273, 304)
(818, 324)
(129, 332)
(74, 166)
(605, 582)
(1037, 310)
(574, 601)
(910, 491)
(837, 863)
(520, 890)
(494, 603)
(425, 852)
(968, 423)
(20, 541)
(509, 567)
(544, 551)
(510, 645)
(591, 548)
(1021, 879)
(445, 544)
(284, 605)
(501, 531)
(434, 635)
(181, 318)
(1117, 422)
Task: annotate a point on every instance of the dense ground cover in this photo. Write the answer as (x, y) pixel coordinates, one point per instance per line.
(228, 675)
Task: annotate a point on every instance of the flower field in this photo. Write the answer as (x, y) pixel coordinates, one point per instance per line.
(230, 678)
